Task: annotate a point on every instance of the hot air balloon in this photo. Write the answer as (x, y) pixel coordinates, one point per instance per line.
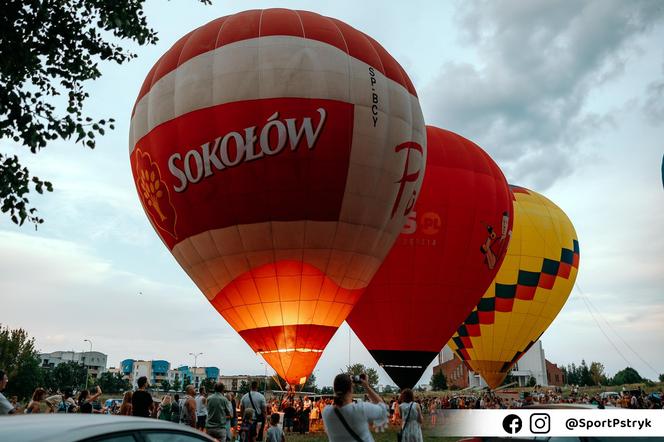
(530, 289)
(445, 258)
(277, 154)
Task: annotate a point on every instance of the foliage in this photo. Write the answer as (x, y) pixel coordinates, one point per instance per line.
(243, 387)
(358, 369)
(177, 384)
(69, 374)
(327, 390)
(113, 383)
(661, 377)
(627, 376)
(186, 380)
(389, 389)
(581, 374)
(20, 361)
(509, 379)
(597, 375)
(48, 51)
(165, 385)
(310, 385)
(208, 383)
(532, 382)
(438, 381)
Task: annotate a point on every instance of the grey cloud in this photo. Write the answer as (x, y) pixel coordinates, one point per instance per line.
(654, 105)
(525, 100)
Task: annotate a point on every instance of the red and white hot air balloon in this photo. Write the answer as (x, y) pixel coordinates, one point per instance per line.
(277, 154)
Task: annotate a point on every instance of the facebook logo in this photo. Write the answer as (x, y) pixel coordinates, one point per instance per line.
(512, 424)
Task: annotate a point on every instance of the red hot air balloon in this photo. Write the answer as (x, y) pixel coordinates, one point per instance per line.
(445, 258)
(277, 154)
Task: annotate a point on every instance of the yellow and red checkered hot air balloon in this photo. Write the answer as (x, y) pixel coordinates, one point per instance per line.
(277, 154)
(530, 289)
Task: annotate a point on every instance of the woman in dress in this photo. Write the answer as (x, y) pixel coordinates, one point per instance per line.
(411, 417)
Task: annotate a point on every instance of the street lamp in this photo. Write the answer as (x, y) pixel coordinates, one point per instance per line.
(264, 379)
(195, 355)
(87, 372)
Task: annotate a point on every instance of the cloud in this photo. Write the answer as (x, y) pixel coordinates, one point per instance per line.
(525, 96)
(654, 104)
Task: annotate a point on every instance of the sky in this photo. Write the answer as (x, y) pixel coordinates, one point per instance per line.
(567, 97)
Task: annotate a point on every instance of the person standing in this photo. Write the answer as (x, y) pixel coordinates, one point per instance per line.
(141, 401)
(346, 420)
(5, 406)
(201, 408)
(218, 413)
(37, 404)
(175, 409)
(165, 408)
(411, 424)
(85, 400)
(125, 407)
(188, 411)
(256, 401)
(274, 433)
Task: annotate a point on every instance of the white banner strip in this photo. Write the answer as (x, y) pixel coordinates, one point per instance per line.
(559, 423)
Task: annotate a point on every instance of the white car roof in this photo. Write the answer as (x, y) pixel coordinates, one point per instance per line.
(75, 427)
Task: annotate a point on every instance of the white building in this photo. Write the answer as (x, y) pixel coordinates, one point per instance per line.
(94, 361)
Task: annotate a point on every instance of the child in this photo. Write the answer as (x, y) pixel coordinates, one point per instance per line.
(274, 433)
(247, 429)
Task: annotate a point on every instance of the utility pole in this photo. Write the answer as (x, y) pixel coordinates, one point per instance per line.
(195, 355)
(87, 365)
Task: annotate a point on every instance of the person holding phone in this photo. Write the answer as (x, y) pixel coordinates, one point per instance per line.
(345, 420)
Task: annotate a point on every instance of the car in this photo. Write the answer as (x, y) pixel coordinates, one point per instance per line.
(609, 395)
(94, 428)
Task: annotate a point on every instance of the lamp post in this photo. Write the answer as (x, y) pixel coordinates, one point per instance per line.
(87, 372)
(195, 355)
(264, 379)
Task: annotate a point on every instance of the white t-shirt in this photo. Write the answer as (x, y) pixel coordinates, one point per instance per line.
(201, 406)
(259, 402)
(5, 406)
(358, 416)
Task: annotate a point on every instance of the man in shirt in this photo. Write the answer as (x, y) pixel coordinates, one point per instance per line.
(201, 408)
(218, 412)
(255, 401)
(141, 401)
(5, 406)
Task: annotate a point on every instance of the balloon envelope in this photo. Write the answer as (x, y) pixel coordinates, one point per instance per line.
(530, 289)
(445, 258)
(277, 153)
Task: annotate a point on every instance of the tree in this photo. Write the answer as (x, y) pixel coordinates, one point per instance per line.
(165, 385)
(48, 50)
(661, 377)
(358, 369)
(177, 384)
(438, 381)
(208, 383)
(327, 390)
(597, 373)
(186, 380)
(20, 361)
(310, 385)
(532, 382)
(627, 376)
(389, 389)
(113, 383)
(585, 374)
(69, 374)
(243, 387)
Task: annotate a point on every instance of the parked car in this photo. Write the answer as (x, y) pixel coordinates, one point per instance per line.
(94, 428)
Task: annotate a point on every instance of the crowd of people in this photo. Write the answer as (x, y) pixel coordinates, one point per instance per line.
(253, 418)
